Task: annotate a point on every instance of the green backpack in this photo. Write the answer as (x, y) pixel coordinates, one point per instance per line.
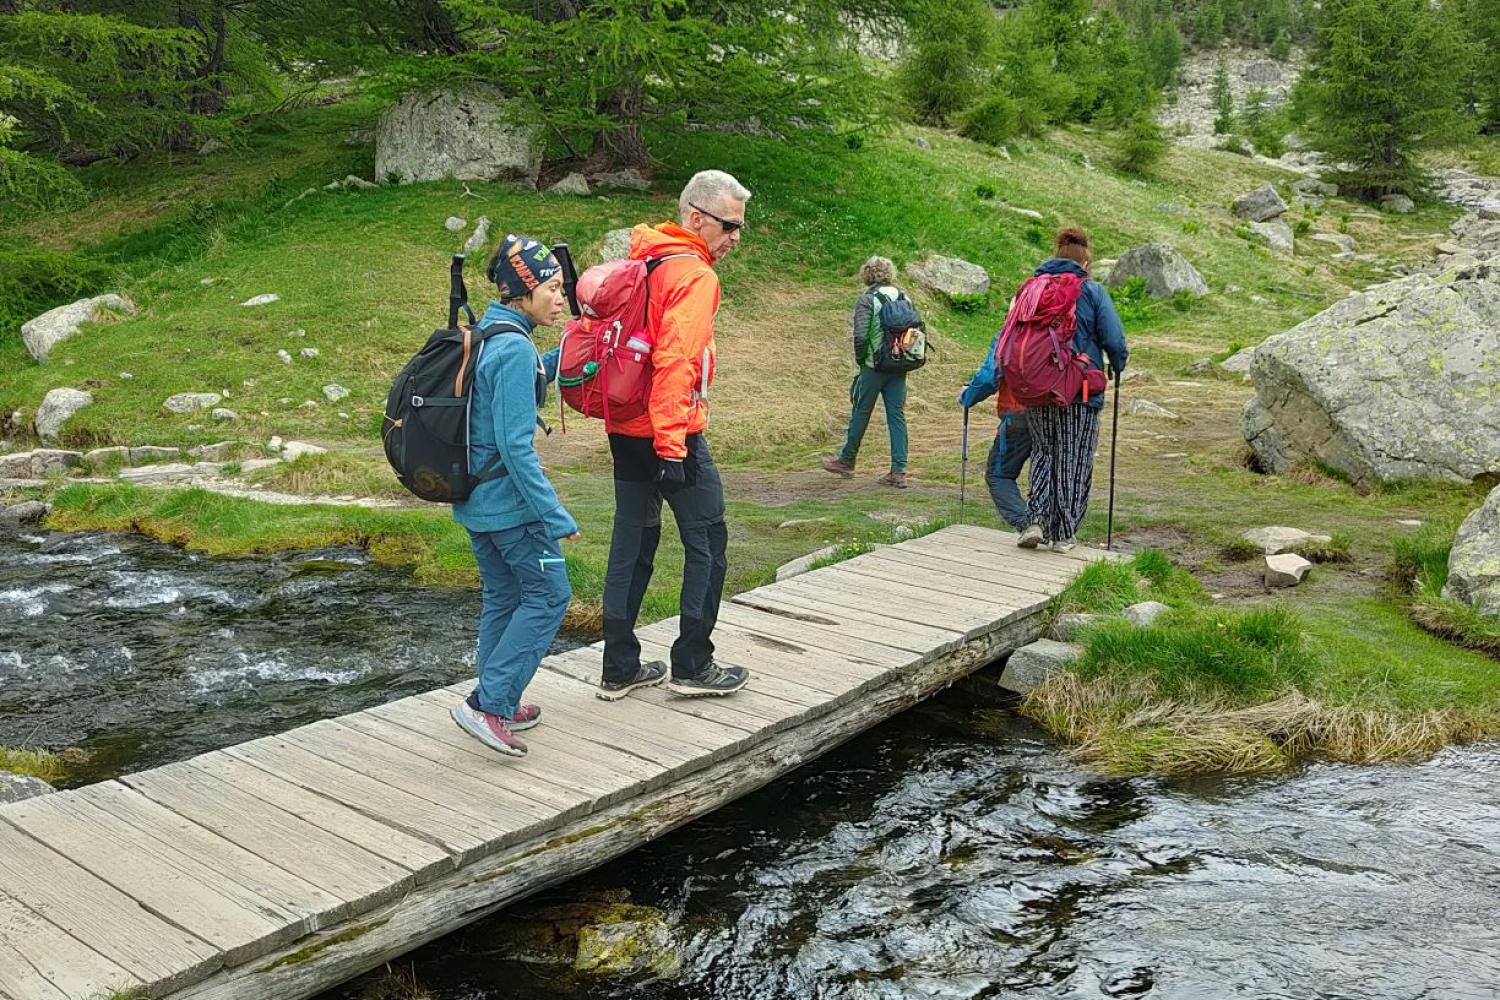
(896, 340)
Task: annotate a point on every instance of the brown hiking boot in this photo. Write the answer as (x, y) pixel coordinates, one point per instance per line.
(893, 479)
(838, 467)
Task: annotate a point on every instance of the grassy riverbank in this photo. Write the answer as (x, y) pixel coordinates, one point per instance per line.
(362, 277)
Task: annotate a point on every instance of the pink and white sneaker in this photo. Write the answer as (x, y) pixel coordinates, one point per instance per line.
(526, 716)
(491, 730)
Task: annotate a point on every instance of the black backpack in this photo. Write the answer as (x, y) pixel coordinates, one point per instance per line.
(903, 336)
(426, 428)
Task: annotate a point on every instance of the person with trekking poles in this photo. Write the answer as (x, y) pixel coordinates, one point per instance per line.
(513, 515)
(1049, 355)
(1012, 445)
(661, 454)
(881, 313)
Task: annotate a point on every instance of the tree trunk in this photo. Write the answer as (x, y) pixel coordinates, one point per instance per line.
(10, 6)
(623, 144)
(208, 93)
(439, 31)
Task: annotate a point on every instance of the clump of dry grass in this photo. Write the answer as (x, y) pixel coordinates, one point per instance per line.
(333, 474)
(1125, 726)
(395, 984)
(49, 767)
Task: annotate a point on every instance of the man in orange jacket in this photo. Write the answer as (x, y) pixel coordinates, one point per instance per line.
(662, 455)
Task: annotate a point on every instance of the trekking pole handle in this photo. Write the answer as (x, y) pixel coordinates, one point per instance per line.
(570, 276)
(458, 295)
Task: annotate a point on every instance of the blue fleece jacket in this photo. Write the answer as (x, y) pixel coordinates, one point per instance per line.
(510, 382)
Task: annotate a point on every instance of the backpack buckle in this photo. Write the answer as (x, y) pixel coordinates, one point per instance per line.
(418, 401)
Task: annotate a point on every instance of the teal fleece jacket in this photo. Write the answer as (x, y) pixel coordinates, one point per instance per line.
(510, 382)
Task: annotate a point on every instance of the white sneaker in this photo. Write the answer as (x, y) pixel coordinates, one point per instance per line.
(1066, 545)
(1031, 537)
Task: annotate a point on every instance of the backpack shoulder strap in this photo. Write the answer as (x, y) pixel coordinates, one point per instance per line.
(652, 263)
(502, 326)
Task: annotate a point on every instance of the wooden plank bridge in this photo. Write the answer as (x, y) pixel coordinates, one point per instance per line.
(285, 865)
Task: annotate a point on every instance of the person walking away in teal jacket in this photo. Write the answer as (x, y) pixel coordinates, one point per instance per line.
(877, 273)
(516, 519)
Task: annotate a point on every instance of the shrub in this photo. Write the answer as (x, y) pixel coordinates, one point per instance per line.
(1037, 236)
(1142, 145)
(34, 279)
(1302, 227)
(969, 302)
(993, 120)
(984, 192)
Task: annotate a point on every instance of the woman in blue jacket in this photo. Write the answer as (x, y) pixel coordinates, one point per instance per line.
(514, 520)
(1063, 438)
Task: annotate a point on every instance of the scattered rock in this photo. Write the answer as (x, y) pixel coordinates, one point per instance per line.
(39, 463)
(453, 223)
(629, 179)
(1169, 208)
(1029, 213)
(628, 947)
(921, 143)
(1286, 570)
(1340, 240)
(1474, 560)
(250, 465)
(1032, 666)
(803, 522)
(1144, 614)
(479, 237)
(1410, 523)
(152, 453)
(359, 182)
(799, 566)
(58, 406)
(28, 513)
(1313, 186)
(190, 402)
(224, 413)
(262, 300)
(1070, 627)
(1200, 366)
(615, 245)
(1394, 382)
(464, 135)
(1260, 205)
(1277, 235)
(19, 787)
(299, 332)
(1398, 203)
(211, 147)
(1165, 271)
(950, 276)
(310, 352)
(574, 184)
(285, 357)
(1275, 540)
(101, 457)
(334, 392)
(207, 282)
(274, 444)
(1146, 408)
(308, 404)
(294, 450)
(218, 452)
(154, 473)
(54, 326)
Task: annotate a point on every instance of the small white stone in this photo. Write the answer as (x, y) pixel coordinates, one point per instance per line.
(261, 300)
(249, 383)
(1144, 614)
(1286, 570)
(1146, 408)
(308, 404)
(127, 375)
(296, 333)
(224, 413)
(310, 352)
(453, 223)
(334, 392)
(296, 449)
(274, 444)
(1409, 523)
(286, 358)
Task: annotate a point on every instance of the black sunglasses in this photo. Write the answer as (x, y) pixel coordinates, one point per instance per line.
(729, 225)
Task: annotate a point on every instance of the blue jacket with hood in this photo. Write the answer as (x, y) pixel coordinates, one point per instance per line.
(510, 382)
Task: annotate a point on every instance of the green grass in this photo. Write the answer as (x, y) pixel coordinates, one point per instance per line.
(1108, 587)
(42, 764)
(1419, 569)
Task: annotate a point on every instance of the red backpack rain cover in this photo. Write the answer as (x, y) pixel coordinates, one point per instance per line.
(1034, 355)
(604, 364)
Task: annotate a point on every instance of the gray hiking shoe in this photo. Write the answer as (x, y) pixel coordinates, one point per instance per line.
(1066, 545)
(714, 681)
(1031, 537)
(648, 675)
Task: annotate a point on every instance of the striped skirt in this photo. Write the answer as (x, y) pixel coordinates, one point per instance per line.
(1063, 439)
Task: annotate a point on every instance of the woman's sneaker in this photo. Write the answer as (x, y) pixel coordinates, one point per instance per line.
(714, 681)
(1031, 537)
(838, 466)
(526, 716)
(1066, 545)
(490, 729)
(648, 675)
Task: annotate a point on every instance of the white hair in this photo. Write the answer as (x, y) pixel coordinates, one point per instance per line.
(705, 190)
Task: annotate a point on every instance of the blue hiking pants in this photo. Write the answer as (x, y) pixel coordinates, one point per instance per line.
(525, 594)
(1008, 454)
(868, 386)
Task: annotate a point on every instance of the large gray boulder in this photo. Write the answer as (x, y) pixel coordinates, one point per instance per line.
(17, 787)
(615, 245)
(1474, 561)
(58, 406)
(56, 325)
(1276, 234)
(1165, 271)
(1260, 205)
(462, 135)
(949, 276)
(1395, 382)
(1033, 665)
(38, 464)
(191, 402)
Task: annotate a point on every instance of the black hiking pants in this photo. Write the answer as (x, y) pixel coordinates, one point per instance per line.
(698, 508)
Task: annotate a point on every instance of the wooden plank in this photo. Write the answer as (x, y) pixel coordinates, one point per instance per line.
(753, 656)
(999, 573)
(161, 955)
(1035, 567)
(1001, 541)
(39, 961)
(245, 908)
(976, 614)
(855, 593)
(458, 833)
(933, 584)
(779, 600)
(863, 643)
(344, 870)
(832, 673)
(422, 858)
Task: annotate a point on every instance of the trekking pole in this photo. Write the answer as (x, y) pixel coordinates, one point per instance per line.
(1114, 433)
(963, 467)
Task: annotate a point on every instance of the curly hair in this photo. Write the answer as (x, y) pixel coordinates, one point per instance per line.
(1073, 243)
(877, 271)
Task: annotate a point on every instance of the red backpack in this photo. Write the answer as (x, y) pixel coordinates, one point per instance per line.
(604, 362)
(1034, 353)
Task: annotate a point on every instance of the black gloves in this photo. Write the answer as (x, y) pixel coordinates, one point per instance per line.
(670, 475)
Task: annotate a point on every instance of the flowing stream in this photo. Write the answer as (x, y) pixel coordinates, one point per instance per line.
(952, 852)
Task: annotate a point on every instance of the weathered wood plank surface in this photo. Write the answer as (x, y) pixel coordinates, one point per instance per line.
(350, 841)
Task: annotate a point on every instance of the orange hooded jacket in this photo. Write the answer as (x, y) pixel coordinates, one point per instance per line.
(684, 298)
